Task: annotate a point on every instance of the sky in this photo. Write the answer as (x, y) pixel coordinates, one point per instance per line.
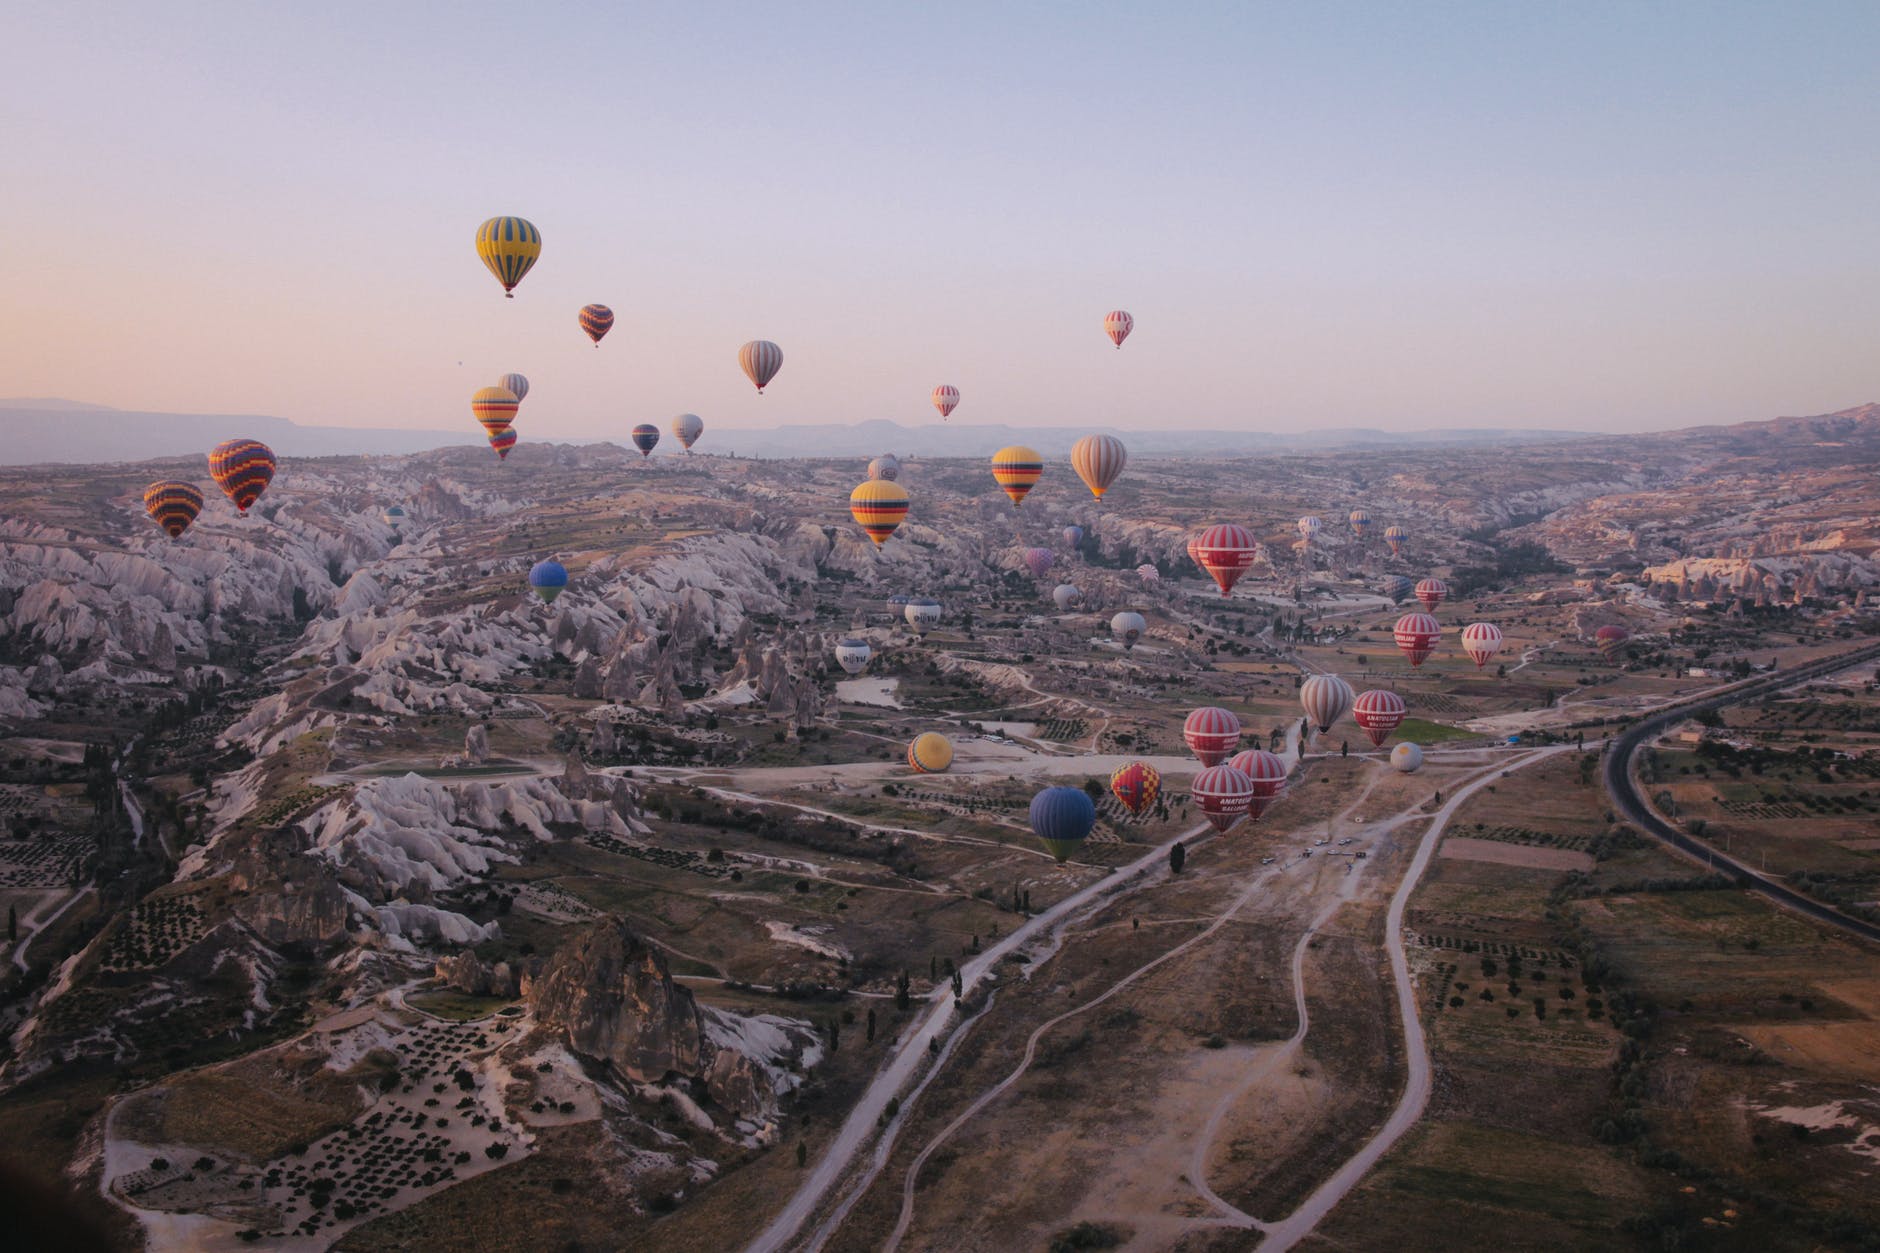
(1394, 215)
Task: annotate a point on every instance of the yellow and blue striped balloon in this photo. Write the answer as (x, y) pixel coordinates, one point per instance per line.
(509, 246)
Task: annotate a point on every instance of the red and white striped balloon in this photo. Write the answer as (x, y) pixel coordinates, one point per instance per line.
(946, 399)
(1212, 734)
(1225, 551)
(1117, 325)
(1481, 640)
(1431, 592)
(1378, 712)
(1224, 795)
(1268, 774)
(1416, 635)
(1325, 698)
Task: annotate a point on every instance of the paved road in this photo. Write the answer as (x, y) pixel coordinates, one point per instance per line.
(1628, 801)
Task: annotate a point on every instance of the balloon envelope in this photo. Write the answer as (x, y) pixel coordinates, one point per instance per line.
(516, 384)
(1225, 551)
(548, 578)
(596, 320)
(1325, 698)
(174, 505)
(509, 246)
(1039, 560)
(1117, 324)
(645, 438)
(1073, 535)
(686, 428)
(1224, 795)
(760, 360)
(494, 407)
(1062, 818)
(242, 468)
(878, 506)
(1128, 627)
(1136, 786)
(887, 466)
(1017, 469)
(1407, 758)
(1481, 640)
(1212, 734)
(1098, 460)
(1378, 712)
(1064, 595)
(922, 614)
(1430, 592)
(930, 753)
(1416, 634)
(946, 399)
(852, 654)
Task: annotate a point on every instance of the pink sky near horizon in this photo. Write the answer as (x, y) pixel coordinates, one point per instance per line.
(1353, 216)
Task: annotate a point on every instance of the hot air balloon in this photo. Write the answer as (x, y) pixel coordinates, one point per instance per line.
(897, 603)
(1481, 640)
(1117, 325)
(502, 441)
(515, 383)
(1398, 588)
(509, 247)
(1148, 574)
(1325, 698)
(1194, 546)
(1416, 635)
(596, 320)
(930, 753)
(393, 516)
(1406, 758)
(1128, 627)
(760, 360)
(686, 428)
(645, 438)
(1224, 795)
(173, 505)
(1064, 595)
(1268, 775)
(1073, 536)
(1396, 535)
(852, 654)
(1610, 639)
(1061, 818)
(243, 468)
(1309, 527)
(1226, 551)
(887, 466)
(1098, 459)
(878, 506)
(1017, 469)
(922, 614)
(1039, 560)
(946, 399)
(1430, 593)
(1378, 712)
(548, 578)
(1360, 523)
(1212, 734)
(494, 407)
(1136, 786)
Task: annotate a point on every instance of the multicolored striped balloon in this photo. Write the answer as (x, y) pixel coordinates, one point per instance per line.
(502, 441)
(243, 468)
(645, 438)
(509, 247)
(946, 398)
(760, 359)
(1117, 325)
(1360, 523)
(174, 505)
(1395, 534)
(1017, 470)
(596, 320)
(1098, 459)
(494, 407)
(878, 505)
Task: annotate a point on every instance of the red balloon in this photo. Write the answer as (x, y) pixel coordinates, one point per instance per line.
(1226, 551)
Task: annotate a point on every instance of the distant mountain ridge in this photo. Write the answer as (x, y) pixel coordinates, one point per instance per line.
(40, 431)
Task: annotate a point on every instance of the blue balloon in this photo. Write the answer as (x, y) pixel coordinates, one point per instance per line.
(1397, 587)
(1073, 535)
(1062, 818)
(548, 578)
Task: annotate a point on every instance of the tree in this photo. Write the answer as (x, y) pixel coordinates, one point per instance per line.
(901, 1000)
(870, 1039)
(959, 986)
(802, 1154)
(1177, 857)
(13, 924)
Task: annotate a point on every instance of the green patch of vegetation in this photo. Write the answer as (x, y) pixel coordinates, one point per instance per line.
(456, 1006)
(1423, 731)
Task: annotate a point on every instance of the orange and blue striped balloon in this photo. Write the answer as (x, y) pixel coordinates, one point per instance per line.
(596, 320)
(494, 407)
(243, 468)
(174, 505)
(509, 246)
(502, 441)
(1017, 469)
